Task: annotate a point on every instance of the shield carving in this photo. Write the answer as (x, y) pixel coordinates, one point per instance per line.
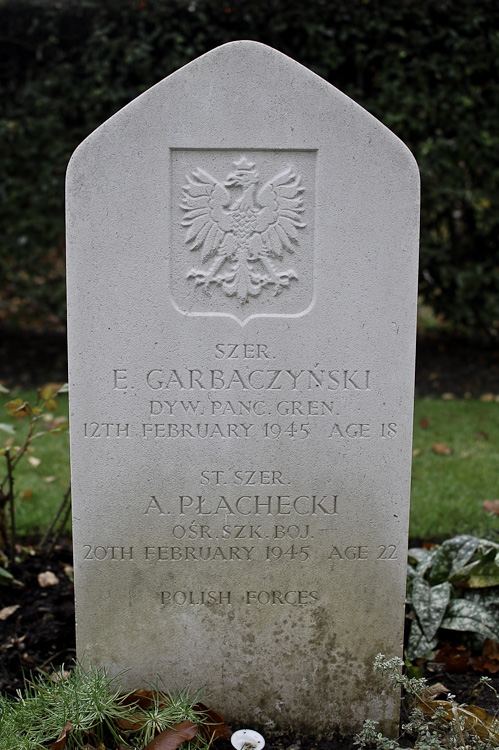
(242, 232)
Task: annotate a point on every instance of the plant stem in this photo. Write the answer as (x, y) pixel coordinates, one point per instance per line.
(64, 506)
(10, 500)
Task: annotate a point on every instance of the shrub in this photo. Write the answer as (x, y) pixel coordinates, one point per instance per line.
(427, 68)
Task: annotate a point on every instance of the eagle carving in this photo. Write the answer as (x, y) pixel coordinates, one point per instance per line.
(243, 229)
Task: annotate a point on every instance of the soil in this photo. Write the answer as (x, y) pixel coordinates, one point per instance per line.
(39, 634)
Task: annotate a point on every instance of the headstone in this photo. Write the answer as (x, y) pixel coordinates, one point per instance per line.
(242, 251)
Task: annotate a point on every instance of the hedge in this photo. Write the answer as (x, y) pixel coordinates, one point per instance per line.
(428, 69)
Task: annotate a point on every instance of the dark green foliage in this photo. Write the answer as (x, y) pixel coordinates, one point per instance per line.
(427, 68)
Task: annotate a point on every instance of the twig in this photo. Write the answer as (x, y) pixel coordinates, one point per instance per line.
(64, 506)
(10, 497)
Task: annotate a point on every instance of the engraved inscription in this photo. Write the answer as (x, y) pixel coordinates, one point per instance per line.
(190, 598)
(242, 229)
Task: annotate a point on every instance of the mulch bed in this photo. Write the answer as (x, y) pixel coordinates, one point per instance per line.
(41, 631)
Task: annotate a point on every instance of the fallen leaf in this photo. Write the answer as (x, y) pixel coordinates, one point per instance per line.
(216, 729)
(62, 740)
(433, 690)
(441, 449)
(27, 494)
(47, 579)
(8, 611)
(456, 660)
(448, 396)
(481, 436)
(34, 461)
(416, 452)
(424, 423)
(491, 506)
(171, 738)
(488, 397)
(470, 718)
(49, 479)
(490, 649)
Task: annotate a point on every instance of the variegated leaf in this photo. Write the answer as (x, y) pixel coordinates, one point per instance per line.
(418, 646)
(464, 553)
(465, 615)
(441, 565)
(430, 603)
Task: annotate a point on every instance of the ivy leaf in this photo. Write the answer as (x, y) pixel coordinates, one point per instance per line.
(430, 603)
(465, 615)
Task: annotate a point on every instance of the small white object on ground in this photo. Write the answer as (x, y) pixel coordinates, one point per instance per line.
(247, 739)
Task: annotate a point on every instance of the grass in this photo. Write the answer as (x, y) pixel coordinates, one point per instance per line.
(40, 487)
(447, 489)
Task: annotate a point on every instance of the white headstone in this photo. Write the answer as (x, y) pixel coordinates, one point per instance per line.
(242, 253)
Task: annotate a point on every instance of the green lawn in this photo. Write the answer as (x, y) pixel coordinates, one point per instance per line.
(447, 489)
(43, 476)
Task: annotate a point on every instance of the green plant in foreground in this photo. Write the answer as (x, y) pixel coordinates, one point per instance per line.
(87, 710)
(89, 701)
(455, 587)
(432, 724)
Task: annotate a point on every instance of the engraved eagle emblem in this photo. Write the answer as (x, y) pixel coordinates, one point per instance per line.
(243, 229)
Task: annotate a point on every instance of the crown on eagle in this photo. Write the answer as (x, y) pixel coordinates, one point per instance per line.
(244, 163)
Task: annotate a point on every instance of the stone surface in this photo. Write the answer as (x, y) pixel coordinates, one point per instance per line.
(242, 252)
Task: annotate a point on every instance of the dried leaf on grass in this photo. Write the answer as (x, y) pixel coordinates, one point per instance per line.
(215, 727)
(491, 506)
(171, 738)
(441, 449)
(488, 397)
(143, 699)
(62, 740)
